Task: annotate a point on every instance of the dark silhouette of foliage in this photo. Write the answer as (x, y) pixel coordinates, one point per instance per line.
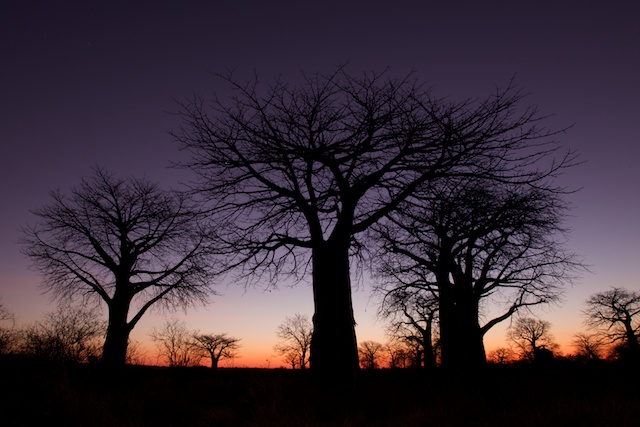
(294, 174)
(68, 335)
(9, 337)
(295, 334)
(126, 243)
(501, 396)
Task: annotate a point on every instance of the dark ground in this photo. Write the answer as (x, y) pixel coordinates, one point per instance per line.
(566, 394)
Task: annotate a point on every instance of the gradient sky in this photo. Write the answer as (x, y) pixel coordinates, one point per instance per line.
(94, 82)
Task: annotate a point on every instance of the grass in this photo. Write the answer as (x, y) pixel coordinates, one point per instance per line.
(562, 395)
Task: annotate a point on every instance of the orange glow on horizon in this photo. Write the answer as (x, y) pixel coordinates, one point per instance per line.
(147, 354)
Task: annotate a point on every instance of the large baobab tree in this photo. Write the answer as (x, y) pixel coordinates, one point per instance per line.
(295, 173)
(475, 245)
(126, 243)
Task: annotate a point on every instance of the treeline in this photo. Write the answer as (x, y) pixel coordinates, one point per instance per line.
(75, 335)
(612, 318)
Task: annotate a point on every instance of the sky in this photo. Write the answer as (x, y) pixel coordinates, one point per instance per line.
(85, 83)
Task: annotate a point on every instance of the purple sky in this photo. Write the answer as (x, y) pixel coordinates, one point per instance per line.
(93, 83)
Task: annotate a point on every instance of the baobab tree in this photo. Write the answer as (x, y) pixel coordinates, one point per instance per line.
(470, 244)
(218, 346)
(412, 317)
(532, 337)
(501, 356)
(294, 174)
(126, 243)
(616, 313)
(589, 346)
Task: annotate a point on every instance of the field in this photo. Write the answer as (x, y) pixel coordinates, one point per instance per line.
(561, 395)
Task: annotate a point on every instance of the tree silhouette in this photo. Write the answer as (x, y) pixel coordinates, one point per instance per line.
(590, 346)
(295, 333)
(533, 338)
(177, 344)
(8, 336)
(468, 243)
(412, 316)
(402, 354)
(68, 335)
(125, 242)
(294, 174)
(500, 356)
(5, 314)
(616, 312)
(370, 354)
(218, 346)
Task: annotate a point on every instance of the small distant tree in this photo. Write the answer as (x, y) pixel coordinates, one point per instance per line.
(412, 313)
(501, 356)
(615, 313)
(589, 346)
(292, 359)
(5, 314)
(177, 344)
(8, 335)
(370, 353)
(533, 338)
(69, 335)
(136, 355)
(400, 354)
(295, 334)
(218, 347)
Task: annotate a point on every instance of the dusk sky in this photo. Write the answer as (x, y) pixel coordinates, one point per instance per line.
(85, 83)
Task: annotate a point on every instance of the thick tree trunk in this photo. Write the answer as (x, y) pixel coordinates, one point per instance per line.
(334, 349)
(114, 351)
(427, 345)
(214, 362)
(449, 330)
(632, 339)
(461, 337)
(472, 353)
(303, 361)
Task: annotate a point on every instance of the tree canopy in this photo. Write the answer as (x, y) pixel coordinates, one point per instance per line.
(294, 174)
